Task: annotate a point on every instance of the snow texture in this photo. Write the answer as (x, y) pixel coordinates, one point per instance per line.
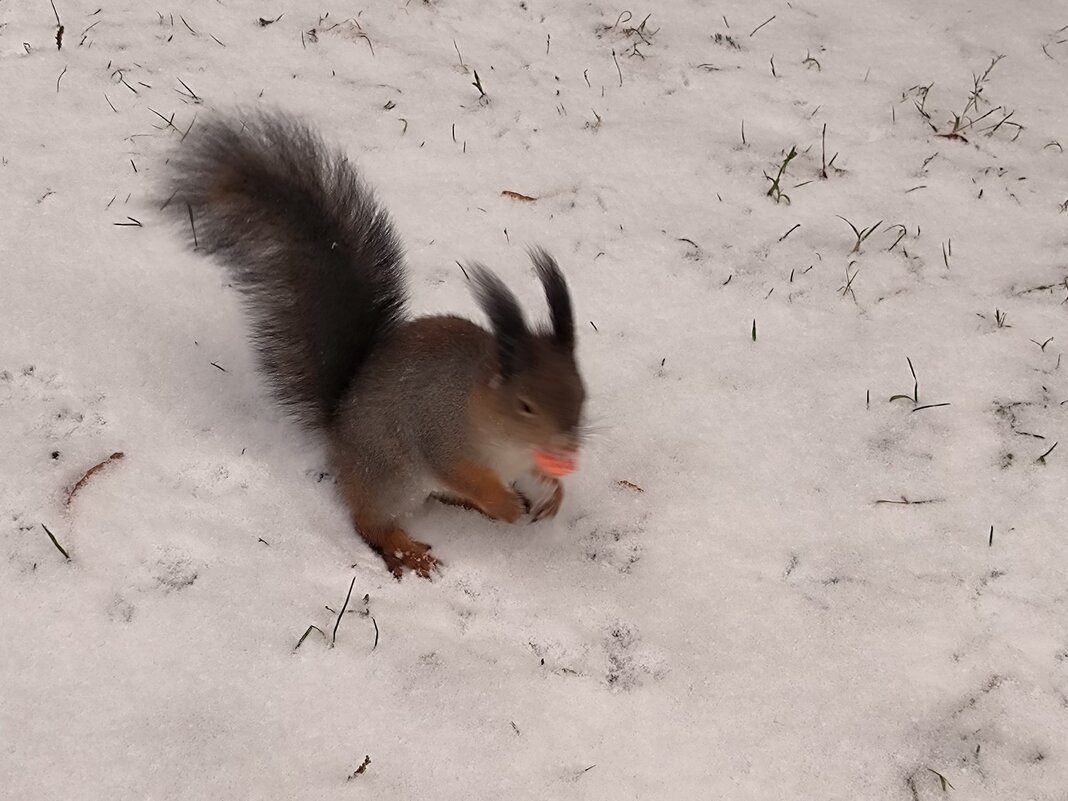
(736, 601)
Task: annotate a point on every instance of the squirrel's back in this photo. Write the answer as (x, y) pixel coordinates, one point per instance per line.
(307, 243)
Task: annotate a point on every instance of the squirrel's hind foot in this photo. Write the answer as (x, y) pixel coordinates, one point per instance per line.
(400, 552)
(411, 555)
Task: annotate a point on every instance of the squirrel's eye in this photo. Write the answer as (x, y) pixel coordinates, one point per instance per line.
(524, 407)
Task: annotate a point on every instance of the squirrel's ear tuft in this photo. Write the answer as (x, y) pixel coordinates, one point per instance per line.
(506, 318)
(552, 280)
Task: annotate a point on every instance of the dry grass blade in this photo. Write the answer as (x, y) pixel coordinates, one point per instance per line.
(304, 636)
(906, 502)
(341, 614)
(55, 542)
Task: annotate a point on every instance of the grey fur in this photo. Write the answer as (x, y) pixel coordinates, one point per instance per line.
(307, 243)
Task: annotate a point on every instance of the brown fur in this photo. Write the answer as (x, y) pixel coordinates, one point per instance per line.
(480, 486)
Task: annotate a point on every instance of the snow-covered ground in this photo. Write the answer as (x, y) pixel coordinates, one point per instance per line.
(736, 601)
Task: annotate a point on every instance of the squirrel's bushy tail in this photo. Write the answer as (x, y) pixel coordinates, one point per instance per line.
(314, 253)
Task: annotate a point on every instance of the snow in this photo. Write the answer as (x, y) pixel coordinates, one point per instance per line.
(734, 601)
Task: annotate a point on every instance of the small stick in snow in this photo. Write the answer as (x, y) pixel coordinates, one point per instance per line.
(517, 196)
(691, 243)
(929, 406)
(1042, 459)
(758, 27)
(59, 28)
(617, 67)
(60, 78)
(341, 614)
(822, 172)
(848, 288)
(477, 83)
(781, 238)
(361, 769)
(900, 237)
(629, 484)
(942, 779)
(55, 542)
(122, 80)
(304, 636)
(89, 474)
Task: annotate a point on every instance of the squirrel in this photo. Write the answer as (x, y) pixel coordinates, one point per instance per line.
(410, 408)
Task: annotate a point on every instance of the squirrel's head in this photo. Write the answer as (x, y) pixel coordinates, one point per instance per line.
(537, 388)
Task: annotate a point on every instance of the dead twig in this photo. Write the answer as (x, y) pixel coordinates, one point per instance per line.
(90, 472)
(341, 614)
(517, 196)
(363, 766)
(55, 542)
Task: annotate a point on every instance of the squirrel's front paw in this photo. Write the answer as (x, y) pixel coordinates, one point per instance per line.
(508, 506)
(549, 504)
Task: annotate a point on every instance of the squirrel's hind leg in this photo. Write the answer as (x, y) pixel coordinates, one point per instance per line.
(399, 551)
(390, 541)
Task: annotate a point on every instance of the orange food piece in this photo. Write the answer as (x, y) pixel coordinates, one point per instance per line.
(554, 465)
